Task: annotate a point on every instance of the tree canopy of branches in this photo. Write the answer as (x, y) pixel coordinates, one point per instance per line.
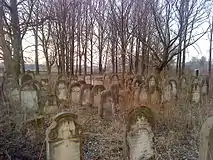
(107, 35)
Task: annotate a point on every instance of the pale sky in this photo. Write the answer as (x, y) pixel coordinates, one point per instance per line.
(199, 49)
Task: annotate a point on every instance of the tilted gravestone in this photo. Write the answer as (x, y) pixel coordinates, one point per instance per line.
(139, 134)
(206, 140)
(63, 138)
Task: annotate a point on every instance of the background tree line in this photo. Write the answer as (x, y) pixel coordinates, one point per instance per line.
(128, 35)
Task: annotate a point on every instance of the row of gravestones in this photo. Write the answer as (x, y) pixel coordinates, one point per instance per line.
(31, 93)
(64, 137)
(194, 89)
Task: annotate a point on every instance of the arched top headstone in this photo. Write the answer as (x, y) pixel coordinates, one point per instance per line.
(31, 85)
(25, 78)
(63, 138)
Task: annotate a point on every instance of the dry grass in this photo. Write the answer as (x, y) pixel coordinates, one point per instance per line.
(176, 134)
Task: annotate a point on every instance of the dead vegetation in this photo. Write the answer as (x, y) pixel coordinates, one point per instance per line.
(176, 135)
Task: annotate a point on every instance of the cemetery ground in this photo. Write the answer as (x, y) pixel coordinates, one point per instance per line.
(176, 134)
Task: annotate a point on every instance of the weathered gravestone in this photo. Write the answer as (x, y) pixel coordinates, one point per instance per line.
(139, 134)
(30, 98)
(86, 95)
(206, 140)
(167, 93)
(109, 101)
(183, 83)
(51, 106)
(61, 90)
(196, 93)
(96, 94)
(155, 95)
(88, 79)
(63, 138)
(75, 89)
(144, 94)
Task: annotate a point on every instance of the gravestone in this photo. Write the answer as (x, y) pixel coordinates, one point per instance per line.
(109, 101)
(63, 138)
(183, 83)
(206, 140)
(61, 90)
(105, 104)
(144, 94)
(86, 95)
(196, 93)
(25, 78)
(75, 90)
(51, 106)
(96, 94)
(205, 86)
(106, 81)
(167, 93)
(30, 98)
(173, 84)
(88, 79)
(139, 134)
(155, 95)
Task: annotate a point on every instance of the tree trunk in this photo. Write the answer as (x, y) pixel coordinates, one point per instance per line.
(16, 42)
(210, 49)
